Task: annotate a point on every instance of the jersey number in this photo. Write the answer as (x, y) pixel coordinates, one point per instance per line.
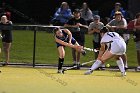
(111, 34)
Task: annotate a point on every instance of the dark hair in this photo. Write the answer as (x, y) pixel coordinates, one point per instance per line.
(137, 15)
(117, 3)
(55, 29)
(104, 30)
(87, 8)
(76, 10)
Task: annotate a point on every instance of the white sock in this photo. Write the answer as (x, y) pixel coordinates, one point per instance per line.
(126, 64)
(78, 63)
(96, 65)
(103, 65)
(74, 62)
(120, 65)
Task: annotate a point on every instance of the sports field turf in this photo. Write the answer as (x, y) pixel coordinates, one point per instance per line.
(43, 80)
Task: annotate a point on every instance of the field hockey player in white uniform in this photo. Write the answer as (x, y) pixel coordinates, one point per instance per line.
(116, 47)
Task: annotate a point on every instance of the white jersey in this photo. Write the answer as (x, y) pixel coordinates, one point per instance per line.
(115, 43)
(110, 36)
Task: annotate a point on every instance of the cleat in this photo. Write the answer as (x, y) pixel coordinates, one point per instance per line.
(60, 72)
(78, 66)
(5, 64)
(88, 72)
(123, 74)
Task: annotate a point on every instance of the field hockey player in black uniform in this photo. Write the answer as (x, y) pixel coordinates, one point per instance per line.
(63, 37)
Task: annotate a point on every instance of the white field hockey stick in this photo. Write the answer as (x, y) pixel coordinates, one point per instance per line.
(90, 49)
(68, 68)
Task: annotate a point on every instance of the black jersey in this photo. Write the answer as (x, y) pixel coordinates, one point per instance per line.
(6, 30)
(77, 33)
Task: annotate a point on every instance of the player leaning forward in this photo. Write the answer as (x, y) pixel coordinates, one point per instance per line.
(116, 47)
(63, 37)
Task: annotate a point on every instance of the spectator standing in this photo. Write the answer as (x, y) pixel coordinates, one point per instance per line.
(94, 28)
(86, 13)
(6, 29)
(135, 26)
(76, 23)
(118, 7)
(62, 15)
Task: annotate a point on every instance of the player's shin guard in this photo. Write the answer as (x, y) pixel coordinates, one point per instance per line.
(96, 65)
(121, 65)
(60, 63)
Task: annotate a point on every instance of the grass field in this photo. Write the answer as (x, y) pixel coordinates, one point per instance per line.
(46, 51)
(42, 80)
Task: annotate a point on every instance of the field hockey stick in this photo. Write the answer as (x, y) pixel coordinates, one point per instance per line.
(68, 68)
(90, 49)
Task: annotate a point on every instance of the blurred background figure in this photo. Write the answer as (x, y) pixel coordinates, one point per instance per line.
(4, 11)
(86, 13)
(117, 7)
(94, 28)
(62, 15)
(76, 23)
(6, 30)
(134, 25)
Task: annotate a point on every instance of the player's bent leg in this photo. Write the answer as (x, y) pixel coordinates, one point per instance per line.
(61, 58)
(99, 62)
(107, 55)
(121, 66)
(124, 58)
(96, 64)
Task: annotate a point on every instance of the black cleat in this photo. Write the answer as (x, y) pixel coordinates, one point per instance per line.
(5, 64)
(78, 66)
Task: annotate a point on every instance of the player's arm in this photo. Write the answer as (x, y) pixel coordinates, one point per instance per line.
(101, 51)
(63, 43)
(68, 25)
(69, 34)
(81, 25)
(93, 30)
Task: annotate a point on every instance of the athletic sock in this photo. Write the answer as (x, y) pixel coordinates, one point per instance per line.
(96, 65)
(74, 62)
(120, 65)
(60, 63)
(126, 66)
(78, 63)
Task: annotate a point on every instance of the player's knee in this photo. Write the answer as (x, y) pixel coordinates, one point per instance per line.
(61, 56)
(101, 59)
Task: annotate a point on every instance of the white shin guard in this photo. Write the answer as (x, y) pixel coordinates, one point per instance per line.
(96, 64)
(121, 65)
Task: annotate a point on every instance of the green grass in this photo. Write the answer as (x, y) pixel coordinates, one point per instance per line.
(46, 51)
(38, 80)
